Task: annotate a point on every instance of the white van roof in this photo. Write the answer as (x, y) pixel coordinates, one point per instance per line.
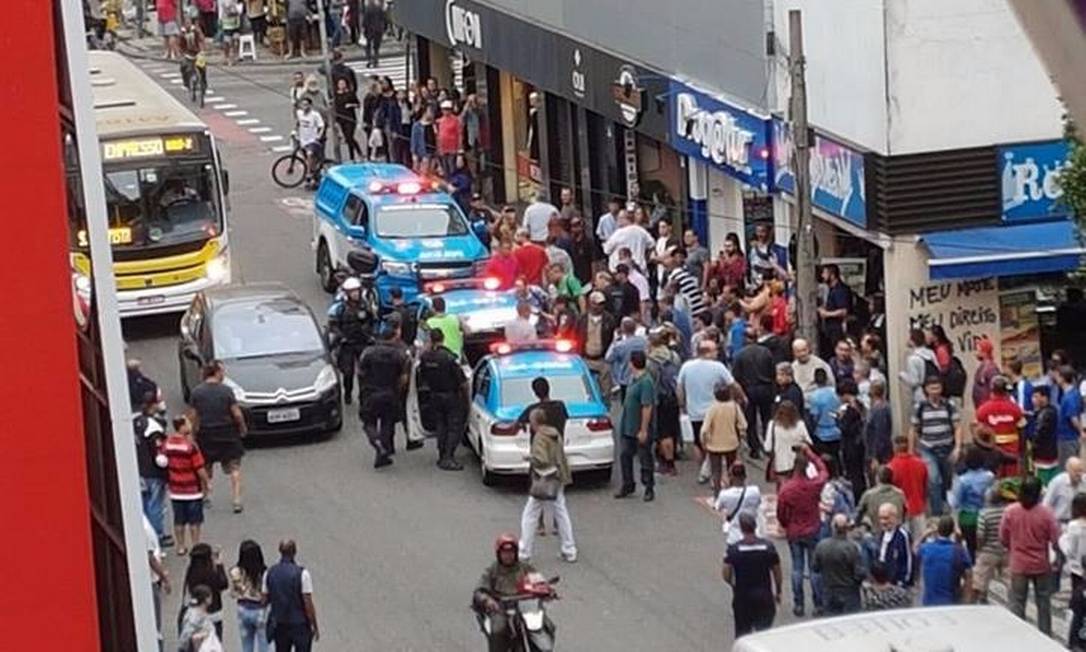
(927, 629)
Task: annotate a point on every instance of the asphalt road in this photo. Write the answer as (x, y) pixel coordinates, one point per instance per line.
(395, 553)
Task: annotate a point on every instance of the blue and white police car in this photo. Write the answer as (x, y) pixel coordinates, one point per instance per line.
(501, 388)
(417, 233)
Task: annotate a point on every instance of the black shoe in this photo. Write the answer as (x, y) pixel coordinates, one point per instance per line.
(414, 445)
(166, 541)
(624, 492)
(450, 465)
(650, 495)
(797, 612)
(382, 460)
(755, 455)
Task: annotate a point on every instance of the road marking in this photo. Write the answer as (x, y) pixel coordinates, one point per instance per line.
(301, 207)
(210, 91)
(282, 148)
(169, 75)
(270, 139)
(235, 114)
(176, 81)
(259, 130)
(223, 107)
(248, 121)
(212, 98)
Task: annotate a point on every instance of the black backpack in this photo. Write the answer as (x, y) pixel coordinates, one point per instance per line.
(955, 378)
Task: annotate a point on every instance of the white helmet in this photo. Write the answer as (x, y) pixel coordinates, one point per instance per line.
(351, 283)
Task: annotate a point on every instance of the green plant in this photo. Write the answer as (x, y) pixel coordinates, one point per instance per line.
(1073, 175)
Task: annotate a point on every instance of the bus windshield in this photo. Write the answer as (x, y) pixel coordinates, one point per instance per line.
(161, 205)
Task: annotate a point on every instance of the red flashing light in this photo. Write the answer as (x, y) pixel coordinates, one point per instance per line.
(505, 429)
(491, 283)
(763, 153)
(409, 188)
(375, 187)
(563, 346)
(502, 348)
(435, 288)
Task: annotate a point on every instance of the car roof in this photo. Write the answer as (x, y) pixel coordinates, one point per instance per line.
(249, 293)
(529, 364)
(462, 300)
(357, 176)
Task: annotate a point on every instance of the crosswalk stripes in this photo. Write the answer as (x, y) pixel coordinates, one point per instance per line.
(394, 67)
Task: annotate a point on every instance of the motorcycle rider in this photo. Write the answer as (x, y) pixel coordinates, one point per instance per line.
(500, 579)
(381, 374)
(441, 373)
(350, 331)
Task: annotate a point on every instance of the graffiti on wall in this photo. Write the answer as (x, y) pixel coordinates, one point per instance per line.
(967, 310)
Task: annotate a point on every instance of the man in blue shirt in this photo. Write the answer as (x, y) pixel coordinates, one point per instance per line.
(1069, 426)
(823, 405)
(618, 354)
(695, 387)
(945, 566)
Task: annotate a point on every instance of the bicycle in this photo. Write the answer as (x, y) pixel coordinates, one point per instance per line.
(194, 75)
(290, 170)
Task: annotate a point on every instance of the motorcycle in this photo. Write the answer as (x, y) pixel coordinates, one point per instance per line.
(528, 627)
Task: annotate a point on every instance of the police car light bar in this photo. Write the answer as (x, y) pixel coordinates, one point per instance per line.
(376, 187)
(437, 287)
(556, 345)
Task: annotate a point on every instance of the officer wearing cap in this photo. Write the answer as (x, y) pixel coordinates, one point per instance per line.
(440, 372)
(350, 330)
(482, 218)
(381, 376)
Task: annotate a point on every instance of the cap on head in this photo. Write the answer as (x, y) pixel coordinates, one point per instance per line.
(596, 298)
(446, 104)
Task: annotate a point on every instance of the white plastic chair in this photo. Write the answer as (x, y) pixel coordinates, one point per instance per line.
(247, 47)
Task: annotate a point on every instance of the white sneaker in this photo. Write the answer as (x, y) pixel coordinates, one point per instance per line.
(569, 558)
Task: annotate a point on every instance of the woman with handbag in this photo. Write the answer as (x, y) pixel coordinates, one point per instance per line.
(246, 581)
(206, 570)
(549, 472)
(786, 431)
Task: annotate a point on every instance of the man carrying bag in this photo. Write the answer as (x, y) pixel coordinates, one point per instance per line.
(550, 474)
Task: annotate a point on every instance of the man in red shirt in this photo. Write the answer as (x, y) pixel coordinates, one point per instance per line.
(187, 482)
(448, 137)
(502, 265)
(1003, 418)
(910, 474)
(531, 258)
(799, 514)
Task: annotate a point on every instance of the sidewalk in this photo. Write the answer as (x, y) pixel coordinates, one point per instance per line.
(150, 47)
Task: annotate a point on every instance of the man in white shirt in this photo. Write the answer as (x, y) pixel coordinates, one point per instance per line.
(608, 222)
(521, 329)
(1062, 489)
(630, 236)
(310, 131)
(537, 217)
(804, 365)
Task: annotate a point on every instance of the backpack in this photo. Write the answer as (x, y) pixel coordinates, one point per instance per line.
(665, 375)
(843, 501)
(955, 378)
(930, 370)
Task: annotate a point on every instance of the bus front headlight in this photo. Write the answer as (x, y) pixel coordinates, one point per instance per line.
(217, 269)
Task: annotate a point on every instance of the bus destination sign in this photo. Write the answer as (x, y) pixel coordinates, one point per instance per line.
(137, 148)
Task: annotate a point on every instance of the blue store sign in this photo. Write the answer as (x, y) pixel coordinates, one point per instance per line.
(722, 135)
(837, 175)
(1030, 173)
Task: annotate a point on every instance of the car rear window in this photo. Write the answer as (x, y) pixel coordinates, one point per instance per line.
(569, 388)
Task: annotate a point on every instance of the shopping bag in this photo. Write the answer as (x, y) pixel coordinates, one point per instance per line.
(686, 428)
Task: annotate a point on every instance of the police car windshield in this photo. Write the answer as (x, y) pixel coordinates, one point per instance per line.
(419, 221)
(268, 328)
(568, 388)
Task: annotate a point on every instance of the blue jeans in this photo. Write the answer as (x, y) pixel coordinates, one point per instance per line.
(940, 475)
(153, 493)
(252, 622)
(802, 551)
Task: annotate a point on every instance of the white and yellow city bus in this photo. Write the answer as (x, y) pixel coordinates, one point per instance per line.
(165, 193)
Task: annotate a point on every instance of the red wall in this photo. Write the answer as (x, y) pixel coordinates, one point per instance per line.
(48, 598)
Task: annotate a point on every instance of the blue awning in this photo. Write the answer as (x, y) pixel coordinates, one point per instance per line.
(1014, 250)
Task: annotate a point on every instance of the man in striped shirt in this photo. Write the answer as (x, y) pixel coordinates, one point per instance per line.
(187, 482)
(685, 283)
(936, 427)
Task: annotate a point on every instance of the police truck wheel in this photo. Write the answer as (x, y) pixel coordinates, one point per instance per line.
(325, 270)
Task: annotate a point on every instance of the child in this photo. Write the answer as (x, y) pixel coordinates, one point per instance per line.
(187, 482)
(1046, 456)
(724, 427)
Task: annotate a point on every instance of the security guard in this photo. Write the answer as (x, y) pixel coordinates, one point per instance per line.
(381, 379)
(350, 329)
(449, 325)
(440, 372)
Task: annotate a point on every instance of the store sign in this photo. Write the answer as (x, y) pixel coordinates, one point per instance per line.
(720, 134)
(628, 95)
(1031, 175)
(577, 78)
(837, 174)
(463, 26)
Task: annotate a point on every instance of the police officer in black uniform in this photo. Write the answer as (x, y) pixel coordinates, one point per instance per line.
(441, 373)
(381, 379)
(350, 327)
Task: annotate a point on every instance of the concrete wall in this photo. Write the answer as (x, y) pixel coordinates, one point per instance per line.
(725, 205)
(968, 310)
(718, 43)
(963, 73)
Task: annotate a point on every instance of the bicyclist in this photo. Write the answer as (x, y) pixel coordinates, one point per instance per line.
(309, 129)
(192, 44)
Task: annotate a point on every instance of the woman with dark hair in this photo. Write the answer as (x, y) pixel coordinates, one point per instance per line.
(968, 493)
(1029, 531)
(730, 267)
(246, 584)
(942, 346)
(206, 570)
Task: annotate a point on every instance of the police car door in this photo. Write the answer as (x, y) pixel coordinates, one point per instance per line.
(479, 416)
(351, 230)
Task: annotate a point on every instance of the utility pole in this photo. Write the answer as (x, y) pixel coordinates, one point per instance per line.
(328, 86)
(806, 283)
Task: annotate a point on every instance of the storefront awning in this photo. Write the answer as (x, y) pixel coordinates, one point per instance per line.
(1003, 250)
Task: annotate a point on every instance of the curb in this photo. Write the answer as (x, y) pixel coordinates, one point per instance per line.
(127, 45)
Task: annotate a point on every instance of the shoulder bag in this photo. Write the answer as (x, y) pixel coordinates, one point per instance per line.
(738, 506)
(545, 484)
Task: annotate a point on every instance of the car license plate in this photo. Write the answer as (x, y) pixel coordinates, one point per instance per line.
(284, 415)
(154, 299)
